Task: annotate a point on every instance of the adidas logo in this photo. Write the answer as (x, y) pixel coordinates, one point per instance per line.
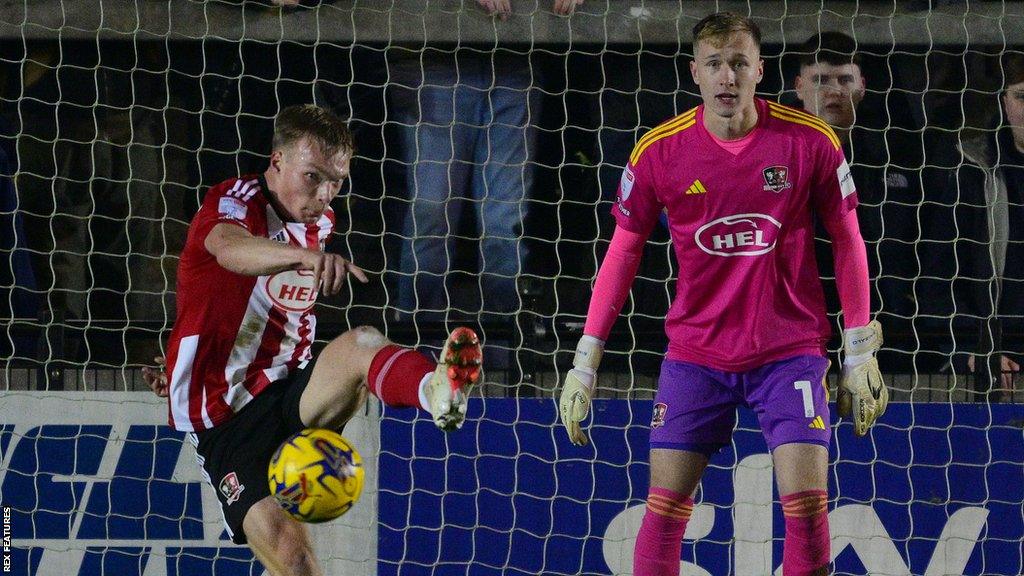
(696, 188)
(817, 423)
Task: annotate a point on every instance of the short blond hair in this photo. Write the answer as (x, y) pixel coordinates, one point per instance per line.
(718, 26)
(321, 125)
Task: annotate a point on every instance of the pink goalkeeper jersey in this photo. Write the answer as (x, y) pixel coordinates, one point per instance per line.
(234, 334)
(748, 290)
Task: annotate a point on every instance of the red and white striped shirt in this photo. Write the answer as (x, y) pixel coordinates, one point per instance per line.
(234, 334)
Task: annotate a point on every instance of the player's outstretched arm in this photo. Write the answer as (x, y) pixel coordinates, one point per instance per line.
(610, 290)
(578, 389)
(242, 253)
(862, 396)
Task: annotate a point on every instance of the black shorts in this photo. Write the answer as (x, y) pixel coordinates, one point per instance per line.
(235, 455)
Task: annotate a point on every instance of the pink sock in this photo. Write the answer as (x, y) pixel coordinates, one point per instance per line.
(806, 550)
(660, 541)
(395, 375)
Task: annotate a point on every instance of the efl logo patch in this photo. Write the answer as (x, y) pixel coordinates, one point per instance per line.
(232, 208)
(230, 488)
(659, 415)
(626, 184)
(776, 178)
(845, 177)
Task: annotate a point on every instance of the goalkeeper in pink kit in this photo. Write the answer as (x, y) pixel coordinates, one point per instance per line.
(741, 179)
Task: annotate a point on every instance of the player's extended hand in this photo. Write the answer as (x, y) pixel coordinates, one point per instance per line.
(329, 271)
(574, 403)
(156, 378)
(862, 393)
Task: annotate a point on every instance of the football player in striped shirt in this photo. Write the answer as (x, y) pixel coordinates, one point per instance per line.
(741, 179)
(242, 376)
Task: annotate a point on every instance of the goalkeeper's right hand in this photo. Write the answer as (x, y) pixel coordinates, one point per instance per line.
(574, 403)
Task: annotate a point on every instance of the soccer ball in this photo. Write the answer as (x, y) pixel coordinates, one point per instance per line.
(316, 475)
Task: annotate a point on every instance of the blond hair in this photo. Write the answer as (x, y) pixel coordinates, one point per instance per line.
(717, 27)
(320, 124)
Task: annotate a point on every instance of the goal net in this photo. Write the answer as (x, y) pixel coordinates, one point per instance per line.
(489, 152)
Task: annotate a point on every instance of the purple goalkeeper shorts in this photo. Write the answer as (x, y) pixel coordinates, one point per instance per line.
(695, 407)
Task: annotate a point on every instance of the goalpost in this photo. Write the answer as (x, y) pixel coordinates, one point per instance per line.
(115, 117)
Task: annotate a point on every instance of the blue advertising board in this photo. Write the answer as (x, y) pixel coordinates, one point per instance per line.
(97, 484)
(79, 506)
(935, 489)
(104, 487)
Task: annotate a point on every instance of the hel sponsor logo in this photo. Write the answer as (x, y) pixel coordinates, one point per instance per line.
(232, 208)
(845, 177)
(817, 423)
(231, 488)
(739, 235)
(776, 178)
(659, 415)
(292, 290)
(626, 184)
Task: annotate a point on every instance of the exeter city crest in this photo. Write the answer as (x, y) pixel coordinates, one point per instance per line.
(776, 178)
(231, 488)
(658, 420)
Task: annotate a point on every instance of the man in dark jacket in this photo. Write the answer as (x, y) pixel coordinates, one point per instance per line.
(977, 222)
(885, 159)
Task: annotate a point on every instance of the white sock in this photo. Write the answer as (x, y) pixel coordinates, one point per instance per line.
(423, 390)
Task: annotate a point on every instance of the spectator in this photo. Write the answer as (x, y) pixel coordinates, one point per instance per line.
(97, 161)
(831, 84)
(467, 118)
(979, 226)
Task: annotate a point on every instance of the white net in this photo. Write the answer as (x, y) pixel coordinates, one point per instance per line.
(488, 152)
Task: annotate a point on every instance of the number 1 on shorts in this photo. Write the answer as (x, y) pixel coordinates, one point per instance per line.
(804, 386)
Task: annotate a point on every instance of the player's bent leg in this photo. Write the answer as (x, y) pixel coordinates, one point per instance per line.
(403, 377)
(337, 385)
(802, 474)
(281, 543)
(674, 478)
(362, 360)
